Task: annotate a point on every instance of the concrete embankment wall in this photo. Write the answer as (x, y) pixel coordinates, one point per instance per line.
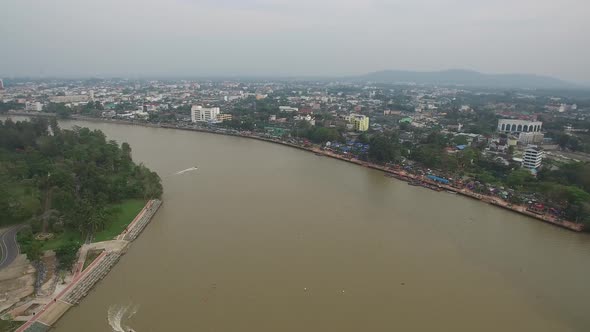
(108, 261)
(98, 272)
(98, 269)
(149, 211)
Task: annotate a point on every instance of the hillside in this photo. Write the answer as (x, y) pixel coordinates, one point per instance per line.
(468, 78)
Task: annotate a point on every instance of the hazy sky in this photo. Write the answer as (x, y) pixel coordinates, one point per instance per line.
(293, 37)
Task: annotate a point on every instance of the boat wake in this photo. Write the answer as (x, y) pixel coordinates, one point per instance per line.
(186, 170)
(118, 315)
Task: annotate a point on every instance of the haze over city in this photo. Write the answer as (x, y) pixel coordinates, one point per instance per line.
(294, 165)
(301, 38)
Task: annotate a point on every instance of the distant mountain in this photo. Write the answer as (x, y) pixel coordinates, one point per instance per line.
(457, 77)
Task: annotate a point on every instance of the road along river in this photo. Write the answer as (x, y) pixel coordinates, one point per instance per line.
(262, 237)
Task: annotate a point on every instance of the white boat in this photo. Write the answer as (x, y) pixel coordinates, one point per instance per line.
(186, 170)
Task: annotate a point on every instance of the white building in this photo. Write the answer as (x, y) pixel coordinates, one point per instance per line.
(288, 109)
(307, 118)
(518, 126)
(204, 114)
(526, 138)
(33, 106)
(231, 98)
(533, 156)
(69, 99)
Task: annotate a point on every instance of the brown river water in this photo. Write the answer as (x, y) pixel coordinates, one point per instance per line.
(263, 237)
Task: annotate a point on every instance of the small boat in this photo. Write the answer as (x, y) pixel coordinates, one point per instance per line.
(451, 192)
(415, 183)
(186, 170)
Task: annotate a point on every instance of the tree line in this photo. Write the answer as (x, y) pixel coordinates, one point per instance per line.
(57, 180)
(566, 187)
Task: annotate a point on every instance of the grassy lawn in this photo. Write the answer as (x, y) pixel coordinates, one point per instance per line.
(8, 326)
(123, 214)
(61, 239)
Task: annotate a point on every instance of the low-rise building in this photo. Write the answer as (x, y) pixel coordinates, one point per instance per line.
(307, 118)
(109, 114)
(69, 99)
(288, 109)
(224, 117)
(34, 106)
(530, 138)
(519, 126)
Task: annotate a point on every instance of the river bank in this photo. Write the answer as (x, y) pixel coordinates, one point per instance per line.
(52, 308)
(326, 226)
(398, 174)
(410, 178)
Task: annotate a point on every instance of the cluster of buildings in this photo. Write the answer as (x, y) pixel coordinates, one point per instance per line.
(353, 108)
(527, 134)
(524, 131)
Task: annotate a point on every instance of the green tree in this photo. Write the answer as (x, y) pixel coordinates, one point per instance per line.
(460, 140)
(383, 149)
(66, 255)
(520, 178)
(64, 179)
(364, 138)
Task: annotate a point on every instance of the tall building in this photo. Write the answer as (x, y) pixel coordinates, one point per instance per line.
(204, 114)
(533, 157)
(359, 122)
(1, 84)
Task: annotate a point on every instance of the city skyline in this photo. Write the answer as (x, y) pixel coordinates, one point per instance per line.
(287, 38)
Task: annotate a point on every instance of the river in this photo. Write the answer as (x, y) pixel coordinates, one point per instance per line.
(262, 237)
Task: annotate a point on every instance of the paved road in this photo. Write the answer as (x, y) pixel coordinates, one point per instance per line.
(9, 246)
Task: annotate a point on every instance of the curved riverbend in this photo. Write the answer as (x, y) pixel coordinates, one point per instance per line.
(261, 237)
(399, 174)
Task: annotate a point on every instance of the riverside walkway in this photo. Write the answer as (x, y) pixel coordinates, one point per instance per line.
(83, 281)
(141, 221)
